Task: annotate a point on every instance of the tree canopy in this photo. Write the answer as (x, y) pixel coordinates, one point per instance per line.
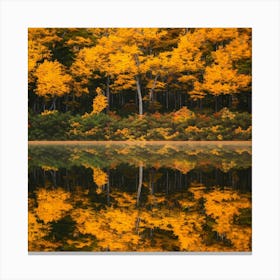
(139, 70)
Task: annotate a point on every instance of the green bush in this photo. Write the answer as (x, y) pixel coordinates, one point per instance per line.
(50, 125)
(180, 125)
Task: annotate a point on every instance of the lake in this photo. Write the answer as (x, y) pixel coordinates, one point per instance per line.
(140, 197)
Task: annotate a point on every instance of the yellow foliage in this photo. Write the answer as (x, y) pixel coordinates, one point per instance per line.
(227, 114)
(124, 133)
(194, 129)
(52, 79)
(223, 206)
(182, 115)
(49, 168)
(99, 90)
(215, 152)
(188, 231)
(183, 166)
(194, 152)
(92, 131)
(122, 54)
(113, 228)
(186, 57)
(124, 199)
(197, 190)
(215, 128)
(100, 102)
(184, 203)
(52, 204)
(240, 47)
(122, 226)
(241, 131)
(79, 41)
(164, 132)
(221, 77)
(100, 178)
(165, 149)
(48, 112)
(123, 81)
(187, 78)
(80, 243)
(226, 166)
(198, 91)
(36, 52)
(38, 39)
(45, 36)
(75, 124)
(243, 150)
(36, 231)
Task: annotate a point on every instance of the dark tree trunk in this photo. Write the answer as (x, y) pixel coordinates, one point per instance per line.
(180, 100)
(67, 180)
(152, 182)
(167, 103)
(66, 103)
(108, 187)
(53, 106)
(167, 182)
(249, 103)
(108, 93)
(34, 105)
(216, 103)
(180, 180)
(53, 173)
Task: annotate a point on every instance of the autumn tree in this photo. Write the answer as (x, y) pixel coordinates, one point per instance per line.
(151, 68)
(222, 75)
(52, 81)
(120, 56)
(99, 102)
(36, 53)
(188, 63)
(222, 79)
(93, 63)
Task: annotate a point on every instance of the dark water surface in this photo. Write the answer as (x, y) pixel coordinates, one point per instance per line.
(141, 198)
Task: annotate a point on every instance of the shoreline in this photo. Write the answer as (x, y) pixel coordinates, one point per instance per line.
(77, 142)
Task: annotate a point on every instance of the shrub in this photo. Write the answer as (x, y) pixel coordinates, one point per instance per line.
(180, 125)
(50, 125)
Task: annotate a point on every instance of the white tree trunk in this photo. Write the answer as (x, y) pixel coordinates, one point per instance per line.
(140, 101)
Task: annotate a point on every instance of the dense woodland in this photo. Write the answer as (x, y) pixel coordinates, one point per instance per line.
(139, 83)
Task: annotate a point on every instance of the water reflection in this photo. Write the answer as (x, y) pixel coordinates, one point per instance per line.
(140, 198)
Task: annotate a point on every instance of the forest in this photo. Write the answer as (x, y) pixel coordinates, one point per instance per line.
(139, 83)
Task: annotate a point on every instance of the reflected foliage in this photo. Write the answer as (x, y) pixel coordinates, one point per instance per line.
(140, 198)
(180, 156)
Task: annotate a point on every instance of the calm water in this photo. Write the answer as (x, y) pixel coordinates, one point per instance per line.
(124, 197)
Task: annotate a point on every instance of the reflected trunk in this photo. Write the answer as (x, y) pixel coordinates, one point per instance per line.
(140, 182)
